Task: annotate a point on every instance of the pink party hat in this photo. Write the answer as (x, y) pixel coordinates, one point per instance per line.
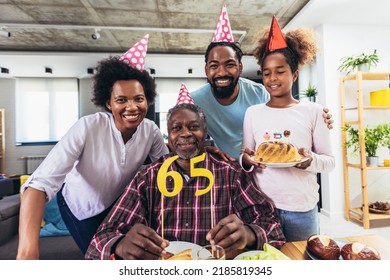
(223, 33)
(275, 38)
(136, 55)
(184, 96)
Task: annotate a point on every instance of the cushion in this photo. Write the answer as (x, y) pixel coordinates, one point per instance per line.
(54, 224)
(9, 207)
(6, 187)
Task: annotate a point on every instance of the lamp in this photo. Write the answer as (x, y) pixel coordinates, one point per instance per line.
(129, 28)
(96, 34)
(4, 32)
(90, 71)
(4, 70)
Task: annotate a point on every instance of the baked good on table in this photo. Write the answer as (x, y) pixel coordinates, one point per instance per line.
(277, 152)
(359, 251)
(323, 247)
(183, 255)
(379, 207)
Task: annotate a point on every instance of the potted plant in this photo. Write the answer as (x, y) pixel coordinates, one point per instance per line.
(385, 128)
(373, 138)
(354, 62)
(310, 92)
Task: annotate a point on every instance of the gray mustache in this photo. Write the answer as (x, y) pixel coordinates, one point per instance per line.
(182, 141)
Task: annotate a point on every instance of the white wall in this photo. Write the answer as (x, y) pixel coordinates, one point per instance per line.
(336, 42)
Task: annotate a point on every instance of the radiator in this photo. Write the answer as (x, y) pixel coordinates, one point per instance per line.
(31, 163)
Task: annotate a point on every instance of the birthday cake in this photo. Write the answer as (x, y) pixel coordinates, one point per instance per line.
(277, 151)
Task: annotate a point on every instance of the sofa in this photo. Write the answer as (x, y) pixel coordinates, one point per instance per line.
(9, 210)
(51, 247)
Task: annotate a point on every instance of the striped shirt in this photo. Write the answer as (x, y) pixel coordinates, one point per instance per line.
(188, 217)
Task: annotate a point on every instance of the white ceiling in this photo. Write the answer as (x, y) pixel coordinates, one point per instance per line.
(315, 13)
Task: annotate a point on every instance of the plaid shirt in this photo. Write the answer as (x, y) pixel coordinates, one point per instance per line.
(188, 217)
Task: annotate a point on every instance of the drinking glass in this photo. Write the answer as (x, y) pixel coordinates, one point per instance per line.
(211, 252)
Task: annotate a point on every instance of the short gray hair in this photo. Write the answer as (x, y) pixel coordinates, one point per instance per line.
(195, 108)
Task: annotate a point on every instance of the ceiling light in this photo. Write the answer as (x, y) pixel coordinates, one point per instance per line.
(91, 71)
(96, 34)
(4, 70)
(243, 33)
(4, 32)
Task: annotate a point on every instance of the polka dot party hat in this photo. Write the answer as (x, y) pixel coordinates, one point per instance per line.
(184, 96)
(136, 55)
(223, 33)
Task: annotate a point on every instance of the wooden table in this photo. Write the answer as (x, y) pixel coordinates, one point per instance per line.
(296, 250)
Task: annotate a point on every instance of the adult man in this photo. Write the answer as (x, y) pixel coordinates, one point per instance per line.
(226, 96)
(234, 214)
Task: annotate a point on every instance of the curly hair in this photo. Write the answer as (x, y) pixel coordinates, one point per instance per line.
(111, 70)
(302, 47)
(235, 46)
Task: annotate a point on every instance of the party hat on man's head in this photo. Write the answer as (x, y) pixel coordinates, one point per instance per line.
(223, 33)
(275, 38)
(184, 96)
(136, 55)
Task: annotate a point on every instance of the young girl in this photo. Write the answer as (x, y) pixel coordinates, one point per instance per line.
(294, 190)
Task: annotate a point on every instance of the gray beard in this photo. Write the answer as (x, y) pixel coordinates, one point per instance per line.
(187, 156)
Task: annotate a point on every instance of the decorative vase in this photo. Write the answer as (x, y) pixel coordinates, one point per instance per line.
(365, 67)
(372, 161)
(312, 98)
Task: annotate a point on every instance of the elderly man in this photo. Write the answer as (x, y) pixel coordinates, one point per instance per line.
(188, 195)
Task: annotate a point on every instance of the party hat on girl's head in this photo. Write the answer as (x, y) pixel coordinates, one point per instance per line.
(136, 55)
(184, 96)
(223, 33)
(275, 38)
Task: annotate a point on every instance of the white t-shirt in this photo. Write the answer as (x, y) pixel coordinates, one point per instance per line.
(95, 164)
(291, 189)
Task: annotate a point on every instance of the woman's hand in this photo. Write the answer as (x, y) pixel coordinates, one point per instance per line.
(247, 161)
(141, 243)
(305, 153)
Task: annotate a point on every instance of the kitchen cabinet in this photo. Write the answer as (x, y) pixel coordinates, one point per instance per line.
(354, 111)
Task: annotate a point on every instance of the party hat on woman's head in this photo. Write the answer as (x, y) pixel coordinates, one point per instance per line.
(223, 33)
(184, 96)
(275, 38)
(136, 55)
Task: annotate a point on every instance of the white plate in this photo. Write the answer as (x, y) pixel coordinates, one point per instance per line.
(281, 164)
(339, 242)
(178, 246)
(246, 254)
